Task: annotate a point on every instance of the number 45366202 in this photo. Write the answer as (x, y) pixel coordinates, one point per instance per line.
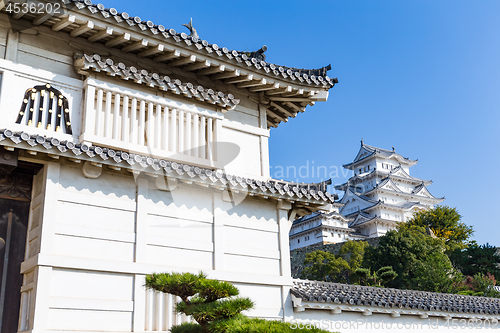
(34, 8)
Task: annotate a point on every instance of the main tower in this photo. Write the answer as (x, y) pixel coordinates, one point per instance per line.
(381, 192)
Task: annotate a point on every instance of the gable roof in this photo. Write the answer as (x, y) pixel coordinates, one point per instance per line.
(365, 152)
(361, 217)
(350, 193)
(420, 192)
(400, 173)
(319, 214)
(388, 299)
(284, 90)
(397, 173)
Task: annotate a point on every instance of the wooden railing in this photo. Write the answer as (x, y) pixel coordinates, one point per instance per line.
(134, 121)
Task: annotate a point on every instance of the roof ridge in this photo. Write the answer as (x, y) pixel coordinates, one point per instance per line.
(310, 76)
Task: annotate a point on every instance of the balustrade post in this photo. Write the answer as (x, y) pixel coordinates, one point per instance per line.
(196, 131)
(210, 139)
(107, 114)
(203, 141)
(150, 128)
(181, 131)
(188, 147)
(173, 132)
(116, 117)
(133, 121)
(217, 131)
(158, 127)
(166, 130)
(125, 119)
(98, 111)
(142, 119)
(89, 125)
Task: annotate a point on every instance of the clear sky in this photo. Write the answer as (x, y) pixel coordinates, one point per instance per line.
(422, 76)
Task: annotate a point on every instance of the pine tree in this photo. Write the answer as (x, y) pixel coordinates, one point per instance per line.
(207, 301)
(214, 306)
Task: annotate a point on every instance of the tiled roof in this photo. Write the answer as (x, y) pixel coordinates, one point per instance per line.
(315, 77)
(375, 151)
(284, 91)
(358, 179)
(94, 62)
(319, 213)
(271, 188)
(388, 298)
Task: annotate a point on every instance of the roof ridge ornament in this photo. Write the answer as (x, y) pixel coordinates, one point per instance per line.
(259, 54)
(193, 34)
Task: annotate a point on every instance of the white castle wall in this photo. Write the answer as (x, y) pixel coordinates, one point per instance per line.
(92, 241)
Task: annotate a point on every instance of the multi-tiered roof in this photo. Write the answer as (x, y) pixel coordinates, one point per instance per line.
(372, 183)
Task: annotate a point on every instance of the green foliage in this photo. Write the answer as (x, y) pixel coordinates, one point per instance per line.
(484, 284)
(325, 266)
(446, 224)
(187, 328)
(183, 285)
(477, 259)
(435, 273)
(209, 302)
(243, 324)
(213, 305)
(365, 277)
(353, 253)
(417, 258)
(206, 312)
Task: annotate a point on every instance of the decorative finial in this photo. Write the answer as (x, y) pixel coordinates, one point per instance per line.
(393, 149)
(193, 34)
(362, 141)
(259, 54)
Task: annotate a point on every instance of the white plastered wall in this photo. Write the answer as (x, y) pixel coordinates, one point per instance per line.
(91, 242)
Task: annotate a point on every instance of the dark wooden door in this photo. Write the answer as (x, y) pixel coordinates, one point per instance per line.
(14, 211)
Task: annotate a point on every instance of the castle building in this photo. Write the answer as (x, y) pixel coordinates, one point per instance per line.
(127, 148)
(320, 227)
(381, 192)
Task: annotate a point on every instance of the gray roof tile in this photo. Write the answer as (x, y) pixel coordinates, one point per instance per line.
(337, 293)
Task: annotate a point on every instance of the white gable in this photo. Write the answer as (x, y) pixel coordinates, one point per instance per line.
(390, 185)
(423, 192)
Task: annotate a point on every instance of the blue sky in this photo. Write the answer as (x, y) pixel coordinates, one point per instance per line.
(422, 76)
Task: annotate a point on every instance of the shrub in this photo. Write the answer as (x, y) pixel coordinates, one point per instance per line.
(214, 305)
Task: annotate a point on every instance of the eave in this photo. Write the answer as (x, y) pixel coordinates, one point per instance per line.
(86, 64)
(301, 199)
(284, 90)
